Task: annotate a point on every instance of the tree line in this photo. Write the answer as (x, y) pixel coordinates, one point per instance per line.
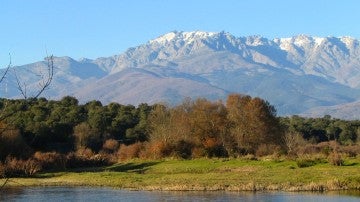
(324, 129)
(239, 126)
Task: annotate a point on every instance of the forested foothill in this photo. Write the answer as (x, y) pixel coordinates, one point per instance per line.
(39, 134)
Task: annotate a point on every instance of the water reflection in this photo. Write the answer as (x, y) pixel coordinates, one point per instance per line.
(108, 194)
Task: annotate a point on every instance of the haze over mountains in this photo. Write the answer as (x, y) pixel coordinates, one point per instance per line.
(298, 75)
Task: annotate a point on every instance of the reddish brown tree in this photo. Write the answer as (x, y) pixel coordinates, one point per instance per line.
(252, 122)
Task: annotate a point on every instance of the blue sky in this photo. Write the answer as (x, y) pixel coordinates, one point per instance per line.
(101, 28)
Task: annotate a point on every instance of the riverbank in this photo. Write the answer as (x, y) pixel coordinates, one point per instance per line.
(207, 174)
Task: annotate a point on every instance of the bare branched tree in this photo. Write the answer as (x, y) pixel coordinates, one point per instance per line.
(43, 84)
(1, 115)
(293, 141)
(3, 76)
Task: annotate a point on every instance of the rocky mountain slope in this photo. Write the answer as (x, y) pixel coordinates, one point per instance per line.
(295, 74)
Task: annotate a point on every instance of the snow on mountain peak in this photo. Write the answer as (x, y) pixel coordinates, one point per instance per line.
(299, 41)
(164, 38)
(256, 41)
(302, 40)
(318, 40)
(348, 41)
(188, 37)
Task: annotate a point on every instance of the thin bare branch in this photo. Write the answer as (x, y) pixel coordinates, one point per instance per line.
(46, 81)
(21, 87)
(6, 70)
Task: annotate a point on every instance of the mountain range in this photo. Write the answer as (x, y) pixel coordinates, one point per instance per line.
(306, 75)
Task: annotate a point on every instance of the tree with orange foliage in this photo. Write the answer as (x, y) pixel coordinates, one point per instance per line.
(252, 122)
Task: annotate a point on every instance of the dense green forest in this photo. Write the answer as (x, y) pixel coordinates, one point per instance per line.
(64, 126)
(46, 134)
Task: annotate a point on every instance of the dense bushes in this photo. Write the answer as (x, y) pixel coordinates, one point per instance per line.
(13, 167)
(86, 158)
(52, 161)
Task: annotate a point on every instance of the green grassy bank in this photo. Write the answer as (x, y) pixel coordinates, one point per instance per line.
(207, 174)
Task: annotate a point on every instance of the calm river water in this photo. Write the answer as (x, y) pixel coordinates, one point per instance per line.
(108, 194)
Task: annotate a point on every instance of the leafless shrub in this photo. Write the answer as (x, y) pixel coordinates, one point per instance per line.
(350, 150)
(336, 159)
(16, 167)
(308, 149)
(110, 145)
(51, 160)
(126, 152)
(31, 167)
(267, 149)
(84, 152)
(85, 157)
(293, 141)
(156, 150)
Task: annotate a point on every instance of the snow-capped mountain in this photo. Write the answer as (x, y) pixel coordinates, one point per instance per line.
(294, 74)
